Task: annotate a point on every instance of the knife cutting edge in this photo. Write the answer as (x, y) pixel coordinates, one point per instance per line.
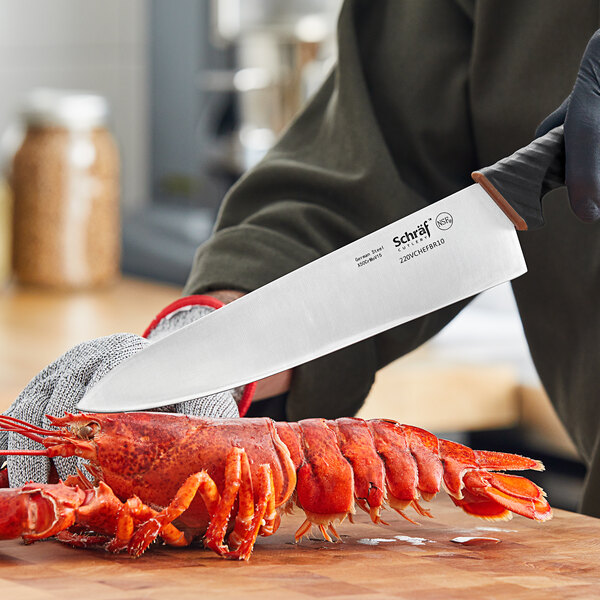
(439, 255)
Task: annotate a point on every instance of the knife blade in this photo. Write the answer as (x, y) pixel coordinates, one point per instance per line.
(439, 255)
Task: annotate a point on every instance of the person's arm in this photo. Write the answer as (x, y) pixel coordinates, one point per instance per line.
(387, 134)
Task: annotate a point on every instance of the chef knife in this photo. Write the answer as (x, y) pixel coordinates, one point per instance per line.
(443, 253)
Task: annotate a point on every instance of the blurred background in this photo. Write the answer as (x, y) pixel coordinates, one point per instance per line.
(194, 93)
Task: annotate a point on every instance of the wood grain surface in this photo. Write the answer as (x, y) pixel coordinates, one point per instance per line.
(557, 559)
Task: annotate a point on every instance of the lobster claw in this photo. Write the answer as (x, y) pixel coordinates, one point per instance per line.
(37, 511)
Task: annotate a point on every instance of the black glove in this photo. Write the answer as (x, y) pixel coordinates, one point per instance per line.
(580, 113)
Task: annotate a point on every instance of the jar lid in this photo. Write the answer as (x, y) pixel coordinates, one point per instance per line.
(65, 108)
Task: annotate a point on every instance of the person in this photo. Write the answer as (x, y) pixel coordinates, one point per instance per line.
(423, 93)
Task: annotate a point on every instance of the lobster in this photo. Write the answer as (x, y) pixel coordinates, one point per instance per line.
(227, 481)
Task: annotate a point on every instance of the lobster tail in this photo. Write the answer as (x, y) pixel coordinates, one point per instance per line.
(371, 464)
(473, 484)
(497, 496)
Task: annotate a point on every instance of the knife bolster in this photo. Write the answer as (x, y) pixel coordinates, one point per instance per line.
(499, 199)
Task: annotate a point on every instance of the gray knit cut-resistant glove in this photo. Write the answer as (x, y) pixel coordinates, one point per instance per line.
(59, 387)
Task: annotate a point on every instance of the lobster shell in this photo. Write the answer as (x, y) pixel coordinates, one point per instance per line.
(230, 480)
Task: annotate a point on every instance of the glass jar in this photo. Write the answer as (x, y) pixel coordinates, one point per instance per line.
(65, 180)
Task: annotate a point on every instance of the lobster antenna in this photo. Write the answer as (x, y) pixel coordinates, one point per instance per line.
(21, 426)
(31, 436)
(24, 452)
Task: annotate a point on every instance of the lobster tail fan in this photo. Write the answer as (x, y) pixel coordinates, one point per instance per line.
(500, 461)
(497, 496)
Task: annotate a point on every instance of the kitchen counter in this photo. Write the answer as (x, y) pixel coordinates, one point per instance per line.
(557, 559)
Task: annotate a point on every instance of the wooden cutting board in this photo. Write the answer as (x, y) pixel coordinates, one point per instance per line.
(558, 559)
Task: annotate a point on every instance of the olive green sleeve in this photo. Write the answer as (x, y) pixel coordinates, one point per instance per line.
(387, 134)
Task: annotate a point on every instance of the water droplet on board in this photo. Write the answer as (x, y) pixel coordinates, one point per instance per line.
(475, 541)
(413, 541)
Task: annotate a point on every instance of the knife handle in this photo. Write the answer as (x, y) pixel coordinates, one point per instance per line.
(518, 182)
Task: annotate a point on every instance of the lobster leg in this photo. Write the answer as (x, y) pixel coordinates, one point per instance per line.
(139, 525)
(215, 534)
(266, 496)
(82, 540)
(250, 514)
(271, 520)
(132, 510)
(102, 511)
(244, 520)
(161, 522)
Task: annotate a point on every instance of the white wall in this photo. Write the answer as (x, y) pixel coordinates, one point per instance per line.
(98, 45)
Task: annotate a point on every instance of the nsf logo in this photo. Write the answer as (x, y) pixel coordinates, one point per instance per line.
(444, 221)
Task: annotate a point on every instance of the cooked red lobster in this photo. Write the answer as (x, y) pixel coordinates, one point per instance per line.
(228, 481)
